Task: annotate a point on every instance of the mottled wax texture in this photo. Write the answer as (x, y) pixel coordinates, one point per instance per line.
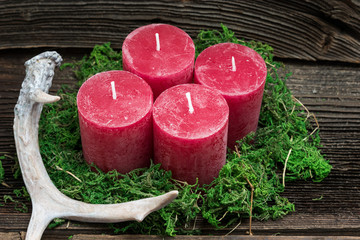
(173, 64)
(191, 145)
(242, 88)
(116, 133)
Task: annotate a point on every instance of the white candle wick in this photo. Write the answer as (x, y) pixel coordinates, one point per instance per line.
(157, 42)
(191, 108)
(113, 90)
(233, 64)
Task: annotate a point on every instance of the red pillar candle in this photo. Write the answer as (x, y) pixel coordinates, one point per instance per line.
(190, 124)
(161, 54)
(115, 115)
(239, 74)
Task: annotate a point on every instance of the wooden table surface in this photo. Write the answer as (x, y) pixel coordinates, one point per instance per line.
(318, 41)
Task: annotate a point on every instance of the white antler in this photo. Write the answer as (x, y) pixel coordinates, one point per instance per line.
(47, 201)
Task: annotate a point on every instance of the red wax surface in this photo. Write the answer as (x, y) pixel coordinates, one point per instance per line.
(242, 88)
(116, 133)
(172, 65)
(191, 145)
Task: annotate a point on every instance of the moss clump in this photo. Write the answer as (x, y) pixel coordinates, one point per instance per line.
(2, 171)
(283, 127)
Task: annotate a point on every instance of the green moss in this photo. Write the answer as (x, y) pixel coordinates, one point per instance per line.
(283, 125)
(2, 172)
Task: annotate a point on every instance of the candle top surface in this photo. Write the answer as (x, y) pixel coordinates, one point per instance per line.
(231, 68)
(172, 111)
(96, 103)
(158, 50)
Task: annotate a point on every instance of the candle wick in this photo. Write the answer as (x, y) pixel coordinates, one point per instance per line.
(191, 108)
(233, 64)
(157, 42)
(113, 90)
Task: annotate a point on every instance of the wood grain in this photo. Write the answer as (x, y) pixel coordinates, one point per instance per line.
(9, 236)
(308, 30)
(243, 237)
(12, 236)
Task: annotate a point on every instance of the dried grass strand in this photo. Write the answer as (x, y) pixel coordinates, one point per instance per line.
(70, 173)
(286, 160)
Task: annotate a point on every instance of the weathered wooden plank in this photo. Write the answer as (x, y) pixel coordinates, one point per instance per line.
(312, 223)
(229, 237)
(310, 30)
(150, 237)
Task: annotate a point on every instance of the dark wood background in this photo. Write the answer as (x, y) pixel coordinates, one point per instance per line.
(319, 41)
(297, 29)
